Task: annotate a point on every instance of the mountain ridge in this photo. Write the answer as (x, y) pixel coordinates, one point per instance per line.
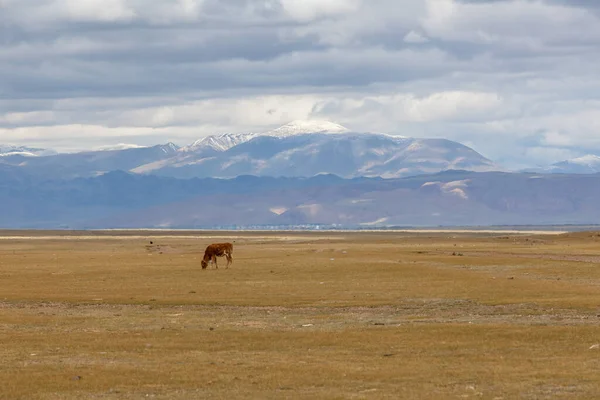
(588, 164)
(300, 148)
(121, 199)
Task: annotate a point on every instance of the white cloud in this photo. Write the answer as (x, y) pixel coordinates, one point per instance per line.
(250, 112)
(415, 37)
(51, 14)
(539, 156)
(97, 10)
(555, 139)
(27, 118)
(307, 10)
(452, 105)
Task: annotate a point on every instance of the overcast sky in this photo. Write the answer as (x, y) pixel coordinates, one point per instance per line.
(518, 81)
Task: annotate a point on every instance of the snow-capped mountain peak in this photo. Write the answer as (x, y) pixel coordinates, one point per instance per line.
(226, 141)
(300, 127)
(588, 164)
(589, 160)
(170, 147)
(10, 150)
(167, 148)
(218, 142)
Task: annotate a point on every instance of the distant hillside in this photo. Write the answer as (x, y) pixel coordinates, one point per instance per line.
(589, 164)
(124, 200)
(90, 163)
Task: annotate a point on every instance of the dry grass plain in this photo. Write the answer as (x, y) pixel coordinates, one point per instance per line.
(106, 315)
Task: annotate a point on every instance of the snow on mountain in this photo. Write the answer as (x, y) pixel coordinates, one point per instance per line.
(590, 161)
(90, 163)
(166, 148)
(218, 142)
(169, 147)
(119, 146)
(300, 148)
(10, 150)
(306, 148)
(300, 127)
(226, 141)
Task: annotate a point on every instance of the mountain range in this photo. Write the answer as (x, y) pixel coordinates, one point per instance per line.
(450, 198)
(305, 173)
(301, 148)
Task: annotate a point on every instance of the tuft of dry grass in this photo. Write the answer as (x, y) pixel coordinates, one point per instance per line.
(347, 315)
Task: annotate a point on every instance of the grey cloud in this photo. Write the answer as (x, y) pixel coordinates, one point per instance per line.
(587, 4)
(118, 55)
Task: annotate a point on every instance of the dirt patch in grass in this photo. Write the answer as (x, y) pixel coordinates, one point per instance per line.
(160, 249)
(540, 256)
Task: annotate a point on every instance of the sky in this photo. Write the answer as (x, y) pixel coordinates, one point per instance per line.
(516, 80)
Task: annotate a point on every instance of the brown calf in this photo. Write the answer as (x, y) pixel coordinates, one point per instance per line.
(217, 250)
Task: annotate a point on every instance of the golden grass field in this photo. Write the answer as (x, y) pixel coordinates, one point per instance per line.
(107, 315)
